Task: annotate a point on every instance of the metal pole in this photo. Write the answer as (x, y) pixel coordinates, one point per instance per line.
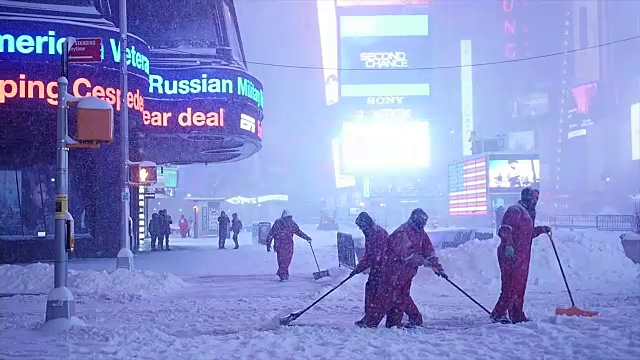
(60, 302)
(62, 174)
(125, 256)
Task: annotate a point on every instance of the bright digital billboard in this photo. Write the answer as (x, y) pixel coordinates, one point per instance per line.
(468, 187)
(347, 3)
(198, 99)
(513, 174)
(377, 53)
(203, 100)
(30, 64)
(328, 25)
(212, 114)
(372, 146)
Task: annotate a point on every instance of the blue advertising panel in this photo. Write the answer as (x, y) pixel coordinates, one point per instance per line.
(30, 64)
(35, 41)
(170, 101)
(377, 53)
(203, 99)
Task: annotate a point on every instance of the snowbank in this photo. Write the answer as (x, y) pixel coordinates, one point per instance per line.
(120, 285)
(590, 259)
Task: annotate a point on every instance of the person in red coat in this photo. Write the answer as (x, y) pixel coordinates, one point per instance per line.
(514, 253)
(184, 226)
(282, 233)
(408, 247)
(374, 295)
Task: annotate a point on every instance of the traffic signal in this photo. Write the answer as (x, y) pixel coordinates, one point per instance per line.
(143, 174)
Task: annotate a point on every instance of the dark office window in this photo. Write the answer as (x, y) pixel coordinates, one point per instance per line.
(175, 24)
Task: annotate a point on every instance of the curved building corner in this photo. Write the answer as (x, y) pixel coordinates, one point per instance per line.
(203, 106)
(190, 99)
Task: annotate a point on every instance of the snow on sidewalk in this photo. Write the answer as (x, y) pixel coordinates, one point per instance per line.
(229, 296)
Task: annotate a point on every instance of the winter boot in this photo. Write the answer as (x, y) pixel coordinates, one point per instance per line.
(412, 325)
(500, 319)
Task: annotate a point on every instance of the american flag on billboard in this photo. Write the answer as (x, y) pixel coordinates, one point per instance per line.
(468, 187)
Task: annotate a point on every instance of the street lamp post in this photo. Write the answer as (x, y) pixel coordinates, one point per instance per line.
(125, 256)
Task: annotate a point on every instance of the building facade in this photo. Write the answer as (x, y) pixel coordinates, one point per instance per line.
(191, 100)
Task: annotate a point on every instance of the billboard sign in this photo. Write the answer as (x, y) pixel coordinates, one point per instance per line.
(379, 146)
(512, 175)
(228, 101)
(347, 3)
(377, 53)
(468, 187)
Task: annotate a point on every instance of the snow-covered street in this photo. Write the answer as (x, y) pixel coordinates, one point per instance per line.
(198, 302)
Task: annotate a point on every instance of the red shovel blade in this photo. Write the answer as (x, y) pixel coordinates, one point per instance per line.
(574, 311)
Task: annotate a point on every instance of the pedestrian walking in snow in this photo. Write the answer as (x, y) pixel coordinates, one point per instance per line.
(183, 224)
(282, 233)
(236, 226)
(223, 229)
(154, 230)
(165, 229)
(514, 254)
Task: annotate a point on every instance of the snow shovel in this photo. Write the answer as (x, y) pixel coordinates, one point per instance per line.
(293, 316)
(321, 273)
(469, 296)
(573, 310)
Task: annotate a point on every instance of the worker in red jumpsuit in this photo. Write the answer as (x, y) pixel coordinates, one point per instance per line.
(375, 240)
(407, 249)
(514, 253)
(282, 233)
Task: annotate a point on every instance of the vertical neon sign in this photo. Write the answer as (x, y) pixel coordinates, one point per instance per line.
(512, 29)
(466, 94)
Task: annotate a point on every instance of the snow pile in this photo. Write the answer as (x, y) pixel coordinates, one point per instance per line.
(33, 278)
(124, 285)
(121, 285)
(588, 258)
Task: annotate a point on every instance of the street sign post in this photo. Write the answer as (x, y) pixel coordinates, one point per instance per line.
(86, 50)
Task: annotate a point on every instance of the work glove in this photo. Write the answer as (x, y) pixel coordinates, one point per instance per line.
(354, 272)
(440, 272)
(509, 252)
(544, 229)
(309, 240)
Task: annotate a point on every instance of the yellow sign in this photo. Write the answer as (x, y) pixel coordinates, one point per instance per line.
(62, 206)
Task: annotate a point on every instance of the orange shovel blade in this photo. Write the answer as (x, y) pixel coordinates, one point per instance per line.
(574, 311)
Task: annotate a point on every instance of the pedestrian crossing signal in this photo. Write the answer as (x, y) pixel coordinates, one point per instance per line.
(143, 175)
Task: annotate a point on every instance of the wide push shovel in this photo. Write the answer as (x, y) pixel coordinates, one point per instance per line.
(321, 273)
(286, 320)
(573, 310)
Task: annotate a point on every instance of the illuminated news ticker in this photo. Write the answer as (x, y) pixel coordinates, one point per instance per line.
(468, 188)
